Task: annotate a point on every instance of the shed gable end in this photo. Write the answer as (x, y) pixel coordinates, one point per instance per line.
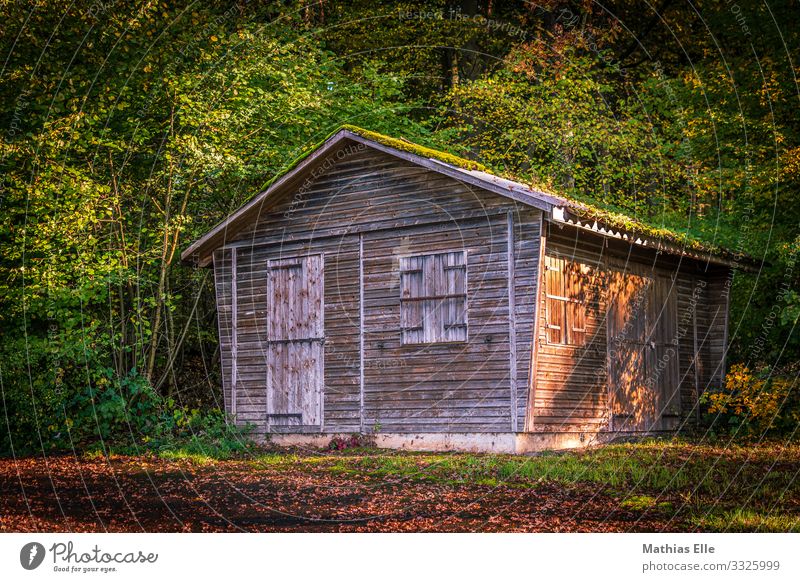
(364, 190)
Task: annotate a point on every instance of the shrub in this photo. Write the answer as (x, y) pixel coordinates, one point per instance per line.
(125, 413)
(112, 407)
(755, 402)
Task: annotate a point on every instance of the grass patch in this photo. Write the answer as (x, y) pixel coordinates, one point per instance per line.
(639, 502)
(197, 447)
(719, 488)
(748, 520)
(646, 503)
(666, 467)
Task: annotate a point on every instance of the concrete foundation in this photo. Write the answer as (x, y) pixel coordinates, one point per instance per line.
(495, 442)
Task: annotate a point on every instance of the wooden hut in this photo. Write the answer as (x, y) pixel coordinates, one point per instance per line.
(384, 288)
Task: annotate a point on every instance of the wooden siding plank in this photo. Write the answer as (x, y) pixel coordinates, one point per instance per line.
(537, 322)
(512, 322)
(361, 332)
(234, 332)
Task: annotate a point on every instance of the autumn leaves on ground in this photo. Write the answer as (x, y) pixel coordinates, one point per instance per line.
(654, 487)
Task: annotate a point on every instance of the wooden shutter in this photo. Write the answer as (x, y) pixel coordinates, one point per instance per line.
(453, 308)
(555, 300)
(576, 283)
(565, 304)
(433, 298)
(411, 310)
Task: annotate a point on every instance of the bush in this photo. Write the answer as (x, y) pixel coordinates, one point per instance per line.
(113, 407)
(754, 403)
(125, 413)
(194, 432)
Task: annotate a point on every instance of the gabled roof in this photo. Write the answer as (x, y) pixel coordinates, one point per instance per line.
(559, 208)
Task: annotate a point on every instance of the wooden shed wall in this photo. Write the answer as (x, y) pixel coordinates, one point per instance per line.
(459, 387)
(363, 212)
(571, 383)
(223, 281)
(247, 347)
(570, 389)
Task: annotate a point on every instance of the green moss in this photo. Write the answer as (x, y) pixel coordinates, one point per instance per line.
(639, 502)
(412, 148)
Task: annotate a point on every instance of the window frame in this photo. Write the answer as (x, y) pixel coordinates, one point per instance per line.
(437, 297)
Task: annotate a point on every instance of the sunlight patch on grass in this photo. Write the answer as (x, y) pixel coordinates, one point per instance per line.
(639, 502)
(184, 455)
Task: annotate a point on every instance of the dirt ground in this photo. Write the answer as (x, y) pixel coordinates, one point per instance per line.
(132, 494)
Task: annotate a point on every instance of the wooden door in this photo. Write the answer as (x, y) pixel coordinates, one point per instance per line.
(642, 350)
(663, 372)
(295, 341)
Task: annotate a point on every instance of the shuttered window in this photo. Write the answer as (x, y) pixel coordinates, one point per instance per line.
(433, 298)
(565, 305)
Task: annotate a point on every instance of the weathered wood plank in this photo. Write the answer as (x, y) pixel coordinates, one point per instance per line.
(234, 343)
(361, 332)
(512, 321)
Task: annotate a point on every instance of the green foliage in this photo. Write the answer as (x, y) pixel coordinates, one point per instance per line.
(765, 310)
(107, 408)
(124, 414)
(168, 119)
(127, 131)
(564, 128)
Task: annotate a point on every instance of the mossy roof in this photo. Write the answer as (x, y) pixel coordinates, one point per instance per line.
(606, 219)
(610, 219)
